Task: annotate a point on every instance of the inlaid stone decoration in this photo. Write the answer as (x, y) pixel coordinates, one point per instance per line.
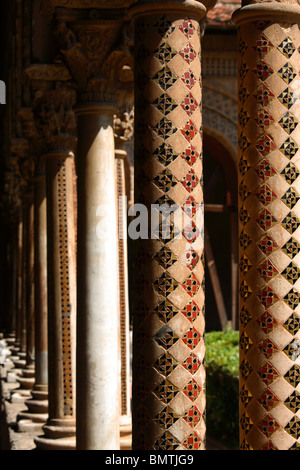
(269, 219)
(168, 376)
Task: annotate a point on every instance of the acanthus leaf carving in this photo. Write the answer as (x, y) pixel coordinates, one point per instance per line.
(94, 53)
(55, 118)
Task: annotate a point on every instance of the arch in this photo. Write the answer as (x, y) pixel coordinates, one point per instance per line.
(220, 111)
(221, 228)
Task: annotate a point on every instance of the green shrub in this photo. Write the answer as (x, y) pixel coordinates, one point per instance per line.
(222, 387)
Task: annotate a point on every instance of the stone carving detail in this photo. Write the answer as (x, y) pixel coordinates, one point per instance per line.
(17, 177)
(94, 56)
(169, 299)
(269, 218)
(55, 118)
(124, 125)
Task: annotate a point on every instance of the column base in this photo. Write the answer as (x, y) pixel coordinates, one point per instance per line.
(45, 443)
(38, 403)
(20, 363)
(37, 415)
(31, 424)
(26, 383)
(27, 378)
(58, 435)
(125, 433)
(10, 340)
(20, 396)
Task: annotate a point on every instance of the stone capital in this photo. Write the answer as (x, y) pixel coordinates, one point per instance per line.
(56, 120)
(95, 51)
(17, 176)
(284, 11)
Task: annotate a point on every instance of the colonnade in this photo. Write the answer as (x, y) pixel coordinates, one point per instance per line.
(79, 177)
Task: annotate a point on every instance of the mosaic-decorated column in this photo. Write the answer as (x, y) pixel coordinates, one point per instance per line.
(168, 328)
(95, 64)
(56, 119)
(123, 131)
(269, 220)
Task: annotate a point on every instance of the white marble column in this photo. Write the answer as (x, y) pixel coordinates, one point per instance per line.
(98, 366)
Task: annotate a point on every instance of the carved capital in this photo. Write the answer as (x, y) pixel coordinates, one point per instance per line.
(56, 120)
(47, 72)
(95, 52)
(26, 118)
(17, 177)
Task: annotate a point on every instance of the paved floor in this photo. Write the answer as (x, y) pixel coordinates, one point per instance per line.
(12, 403)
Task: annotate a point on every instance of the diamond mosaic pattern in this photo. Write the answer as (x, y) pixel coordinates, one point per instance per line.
(171, 168)
(269, 237)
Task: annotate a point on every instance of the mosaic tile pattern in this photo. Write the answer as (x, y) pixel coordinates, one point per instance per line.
(168, 369)
(124, 315)
(62, 170)
(269, 215)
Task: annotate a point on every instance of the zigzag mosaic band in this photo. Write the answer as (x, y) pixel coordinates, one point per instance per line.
(269, 219)
(168, 375)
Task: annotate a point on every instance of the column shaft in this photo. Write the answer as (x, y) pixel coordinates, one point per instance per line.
(98, 351)
(269, 219)
(41, 291)
(59, 431)
(124, 294)
(37, 413)
(30, 310)
(168, 334)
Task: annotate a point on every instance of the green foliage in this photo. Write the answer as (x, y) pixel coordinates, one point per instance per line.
(222, 386)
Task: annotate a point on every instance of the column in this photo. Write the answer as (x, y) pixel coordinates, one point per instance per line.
(168, 287)
(15, 349)
(25, 363)
(56, 121)
(17, 344)
(14, 342)
(94, 64)
(123, 132)
(26, 378)
(269, 219)
(98, 300)
(37, 413)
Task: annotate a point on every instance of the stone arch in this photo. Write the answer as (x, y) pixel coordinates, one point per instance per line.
(220, 137)
(220, 117)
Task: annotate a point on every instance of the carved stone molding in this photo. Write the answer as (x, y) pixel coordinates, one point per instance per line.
(50, 72)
